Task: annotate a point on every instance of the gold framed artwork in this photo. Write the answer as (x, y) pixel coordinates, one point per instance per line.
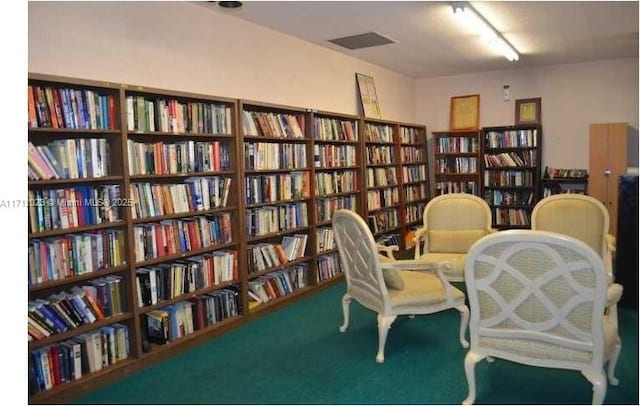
(465, 112)
(529, 111)
(368, 96)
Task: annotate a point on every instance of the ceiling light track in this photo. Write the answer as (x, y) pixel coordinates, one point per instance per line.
(470, 17)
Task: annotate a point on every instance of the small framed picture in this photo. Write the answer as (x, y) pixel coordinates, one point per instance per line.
(529, 111)
(368, 96)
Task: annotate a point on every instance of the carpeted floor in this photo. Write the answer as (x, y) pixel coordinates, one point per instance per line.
(298, 356)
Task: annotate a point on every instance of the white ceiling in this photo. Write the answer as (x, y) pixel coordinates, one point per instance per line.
(431, 43)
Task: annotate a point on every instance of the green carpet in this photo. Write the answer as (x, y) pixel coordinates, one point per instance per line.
(297, 356)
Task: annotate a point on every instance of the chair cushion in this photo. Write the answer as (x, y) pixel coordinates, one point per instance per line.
(455, 272)
(420, 289)
(390, 276)
(454, 241)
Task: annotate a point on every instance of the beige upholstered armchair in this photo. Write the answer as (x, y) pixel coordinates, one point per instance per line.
(538, 298)
(451, 224)
(390, 287)
(587, 219)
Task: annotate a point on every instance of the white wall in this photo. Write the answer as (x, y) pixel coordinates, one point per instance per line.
(573, 96)
(193, 48)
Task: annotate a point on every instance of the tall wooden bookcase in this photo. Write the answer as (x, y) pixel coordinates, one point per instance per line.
(512, 158)
(456, 162)
(177, 216)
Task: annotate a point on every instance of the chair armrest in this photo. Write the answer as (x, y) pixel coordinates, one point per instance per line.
(611, 242)
(417, 236)
(614, 293)
(388, 250)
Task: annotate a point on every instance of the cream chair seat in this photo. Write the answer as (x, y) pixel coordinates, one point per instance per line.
(538, 298)
(390, 287)
(451, 224)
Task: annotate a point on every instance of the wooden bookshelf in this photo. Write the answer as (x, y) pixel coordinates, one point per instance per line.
(287, 176)
(456, 162)
(512, 157)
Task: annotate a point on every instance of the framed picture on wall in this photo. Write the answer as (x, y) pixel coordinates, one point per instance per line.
(368, 96)
(465, 112)
(529, 111)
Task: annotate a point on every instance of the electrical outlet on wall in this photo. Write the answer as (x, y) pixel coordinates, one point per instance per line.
(506, 92)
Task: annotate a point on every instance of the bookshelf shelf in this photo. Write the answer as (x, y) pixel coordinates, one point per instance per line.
(512, 173)
(155, 141)
(456, 160)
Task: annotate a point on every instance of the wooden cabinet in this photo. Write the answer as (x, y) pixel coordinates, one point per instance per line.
(607, 162)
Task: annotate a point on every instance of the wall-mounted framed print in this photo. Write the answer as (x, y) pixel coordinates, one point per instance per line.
(368, 96)
(465, 112)
(529, 111)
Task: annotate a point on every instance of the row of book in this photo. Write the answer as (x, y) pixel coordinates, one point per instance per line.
(332, 129)
(170, 237)
(81, 305)
(414, 173)
(275, 219)
(511, 139)
(275, 125)
(511, 217)
(269, 255)
(381, 177)
(326, 206)
(412, 154)
(51, 107)
(457, 145)
(378, 133)
(328, 267)
(379, 198)
(456, 165)
(329, 155)
(414, 193)
(273, 188)
(380, 155)
(508, 178)
(81, 205)
(552, 173)
(328, 183)
(170, 323)
(72, 255)
(442, 188)
(168, 281)
(195, 194)
(69, 159)
(413, 212)
(278, 284)
(325, 240)
(410, 135)
(520, 158)
(502, 197)
(269, 156)
(383, 220)
(71, 359)
(163, 158)
(171, 115)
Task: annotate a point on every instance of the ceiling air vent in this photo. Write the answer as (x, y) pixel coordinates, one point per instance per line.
(368, 39)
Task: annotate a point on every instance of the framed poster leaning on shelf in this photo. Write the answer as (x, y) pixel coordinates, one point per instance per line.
(368, 96)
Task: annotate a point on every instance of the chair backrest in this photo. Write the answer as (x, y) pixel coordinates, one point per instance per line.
(538, 298)
(455, 221)
(360, 261)
(579, 216)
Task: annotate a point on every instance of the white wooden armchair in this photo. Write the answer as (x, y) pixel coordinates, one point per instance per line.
(390, 287)
(451, 224)
(538, 298)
